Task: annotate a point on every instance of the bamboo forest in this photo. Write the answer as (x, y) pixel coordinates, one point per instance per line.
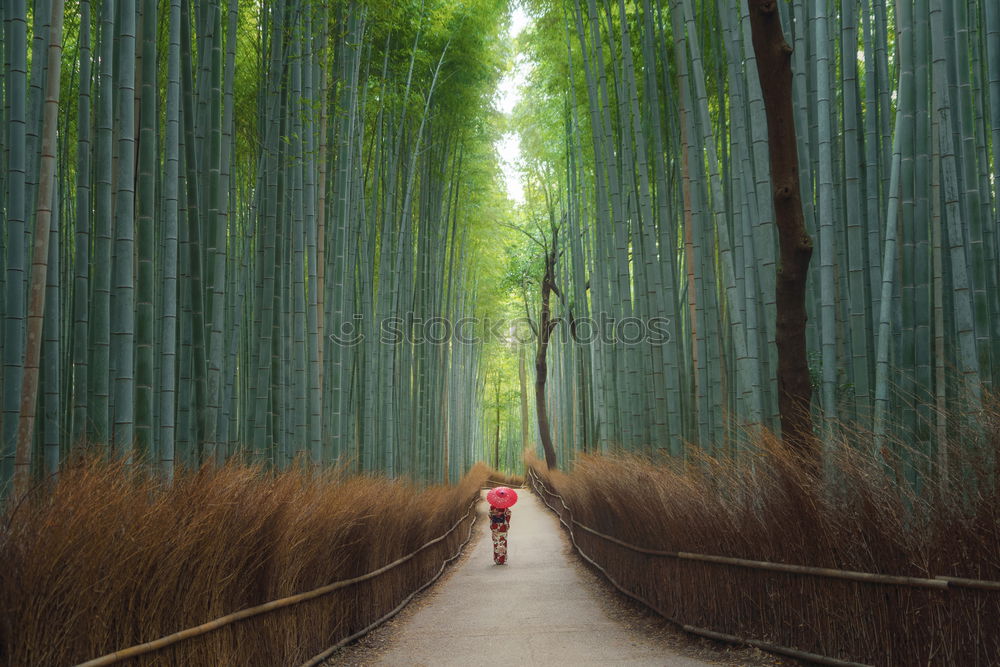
(287, 286)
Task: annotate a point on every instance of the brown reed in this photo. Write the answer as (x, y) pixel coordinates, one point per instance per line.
(110, 557)
(869, 512)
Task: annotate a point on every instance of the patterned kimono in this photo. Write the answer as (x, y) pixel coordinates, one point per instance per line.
(499, 524)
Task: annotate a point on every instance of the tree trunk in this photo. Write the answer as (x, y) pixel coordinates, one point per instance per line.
(522, 378)
(545, 327)
(774, 70)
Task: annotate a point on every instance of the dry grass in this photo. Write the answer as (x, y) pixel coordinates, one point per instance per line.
(763, 507)
(110, 558)
(498, 478)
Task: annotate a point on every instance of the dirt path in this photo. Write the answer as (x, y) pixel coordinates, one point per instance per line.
(542, 608)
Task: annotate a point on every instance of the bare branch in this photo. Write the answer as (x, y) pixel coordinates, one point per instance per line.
(525, 232)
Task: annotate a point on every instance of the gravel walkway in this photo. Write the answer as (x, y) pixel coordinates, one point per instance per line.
(542, 608)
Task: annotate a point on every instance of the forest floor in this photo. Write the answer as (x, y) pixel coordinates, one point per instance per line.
(543, 608)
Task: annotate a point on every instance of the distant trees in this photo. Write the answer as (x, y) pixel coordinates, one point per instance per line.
(664, 166)
(244, 195)
(258, 209)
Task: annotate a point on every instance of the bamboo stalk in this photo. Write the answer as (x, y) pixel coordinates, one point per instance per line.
(39, 260)
(15, 230)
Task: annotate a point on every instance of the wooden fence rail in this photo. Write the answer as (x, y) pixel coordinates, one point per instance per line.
(273, 605)
(936, 583)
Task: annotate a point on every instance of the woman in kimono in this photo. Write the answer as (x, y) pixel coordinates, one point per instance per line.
(500, 500)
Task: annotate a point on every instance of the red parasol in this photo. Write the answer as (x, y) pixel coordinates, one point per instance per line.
(502, 497)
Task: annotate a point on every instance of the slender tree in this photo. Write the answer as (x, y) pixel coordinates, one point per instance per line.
(794, 389)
